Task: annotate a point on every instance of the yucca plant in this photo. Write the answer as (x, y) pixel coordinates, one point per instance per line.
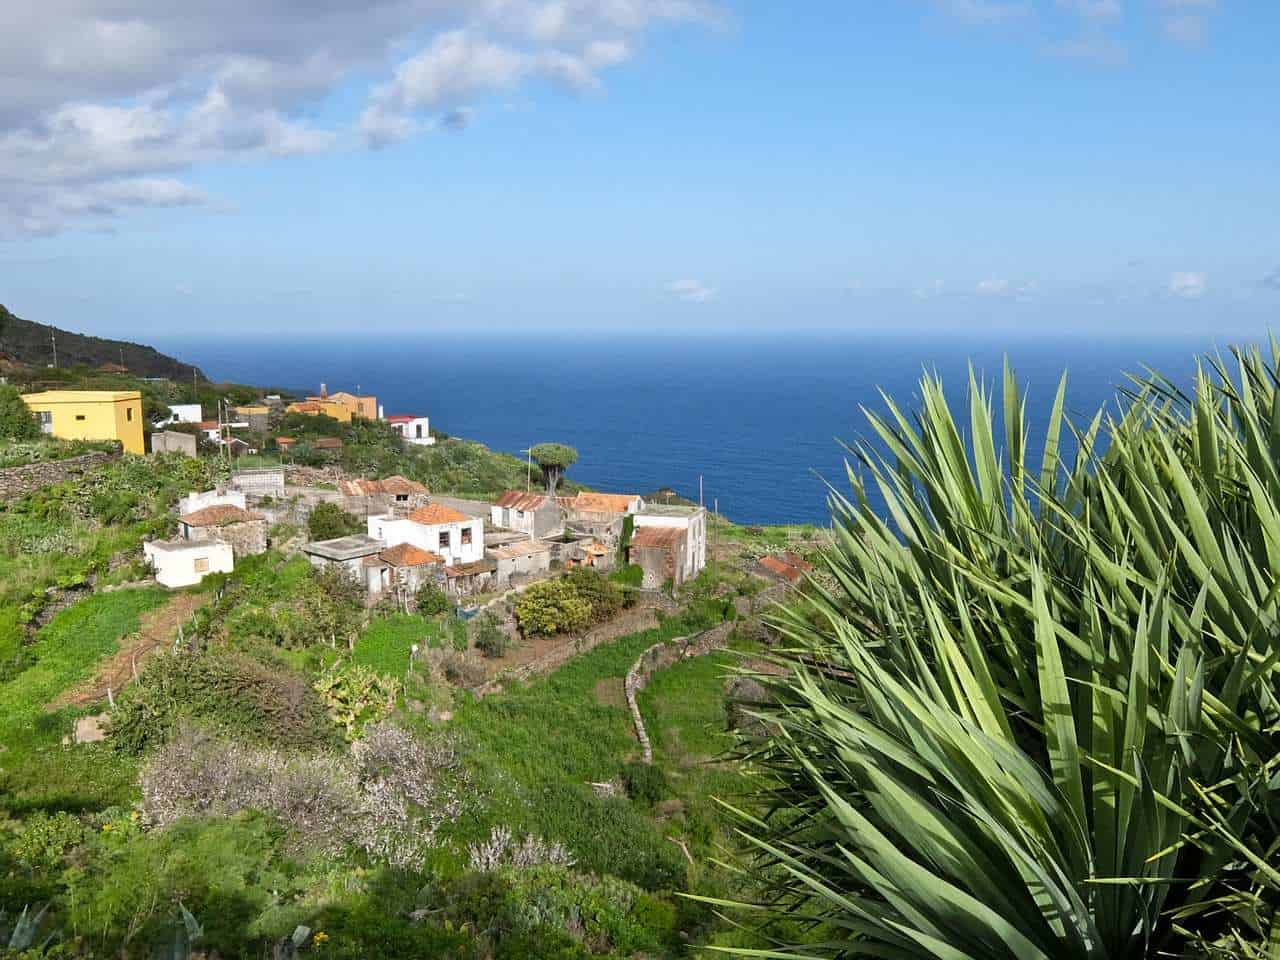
(1030, 711)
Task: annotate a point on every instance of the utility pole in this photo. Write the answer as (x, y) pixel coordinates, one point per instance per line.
(53, 338)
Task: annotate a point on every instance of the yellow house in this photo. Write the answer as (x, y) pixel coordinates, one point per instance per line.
(314, 406)
(366, 407)
(90, 415)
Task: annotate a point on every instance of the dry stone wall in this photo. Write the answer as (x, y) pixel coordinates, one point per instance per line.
(17, 482)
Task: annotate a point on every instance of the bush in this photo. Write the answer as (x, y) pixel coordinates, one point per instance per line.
(17, 422)
(552, 606)
(228, 691)
(356, 695)
(490, 639)
(628, 580)
(604, 596)
(328, 521)
(431, 600)
(646, 783)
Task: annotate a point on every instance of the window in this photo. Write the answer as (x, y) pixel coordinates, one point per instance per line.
(128, 414)
(401, 497)
(466, 536)
(46, 421)
(79, 416)
(444, 539)
(202, 565)
(419, 431)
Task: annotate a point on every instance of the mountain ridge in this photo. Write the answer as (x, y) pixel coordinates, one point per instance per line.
(31, 343)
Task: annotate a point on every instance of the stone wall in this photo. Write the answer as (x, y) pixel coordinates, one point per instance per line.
(17, 482)
(247, 538)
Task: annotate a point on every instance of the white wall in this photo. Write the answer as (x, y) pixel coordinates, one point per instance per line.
(177, 568)
(185, 413)
(210, 498)
(695, 523)
(394, 531)
(408, 431)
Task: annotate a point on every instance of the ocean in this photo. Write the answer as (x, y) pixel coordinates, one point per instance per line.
(760, 420)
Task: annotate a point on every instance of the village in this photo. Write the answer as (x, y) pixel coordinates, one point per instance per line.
(474, 551)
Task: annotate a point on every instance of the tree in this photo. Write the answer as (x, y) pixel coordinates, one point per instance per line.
(490, 639)
(329, 521)
(432, 600)
(1037, 717)
(554, 459)
(17, 422)
(550, 607)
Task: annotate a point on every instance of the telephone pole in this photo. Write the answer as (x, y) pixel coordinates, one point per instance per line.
(53, 338)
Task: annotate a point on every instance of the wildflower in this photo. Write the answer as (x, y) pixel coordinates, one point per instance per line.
(108, 827)
(319, 938)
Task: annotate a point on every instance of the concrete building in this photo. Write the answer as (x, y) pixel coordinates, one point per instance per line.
(314, 407)
(454, 536)
(525, 558)
(403, 568)
(171, 441)
(245, 531)
(533, 513)
(184, 563)
(660, 552)
(347, 554)
(359, 406)
(90, 415)
(389, 495)
(259, 482)
(256, 416)
(412, 429)
(692, 520)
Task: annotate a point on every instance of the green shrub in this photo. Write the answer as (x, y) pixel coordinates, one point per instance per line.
(356, 696)
(628, 580)
(490, 639)
(552, 606)
(604, 596)
(229, 691)
(431, 600)
(17, 422)
(44, 839)
(646, 783)
(328, 521)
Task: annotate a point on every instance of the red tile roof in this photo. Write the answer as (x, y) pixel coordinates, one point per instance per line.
(665, 537)
(328, 443)
(604, 502)
(208, 424)
(402, 418)
(407, 555)
(437, 513)
(218, 515)
(521, 500)
(781, 566)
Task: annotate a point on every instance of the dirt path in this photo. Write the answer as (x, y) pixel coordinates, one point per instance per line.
(158, 629)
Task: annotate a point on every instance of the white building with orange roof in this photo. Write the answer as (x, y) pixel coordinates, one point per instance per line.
(436, 528)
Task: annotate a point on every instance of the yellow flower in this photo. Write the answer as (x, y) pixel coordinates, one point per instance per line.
(107, 827)
(319, 938)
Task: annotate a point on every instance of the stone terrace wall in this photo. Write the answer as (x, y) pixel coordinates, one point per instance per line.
(17, 482)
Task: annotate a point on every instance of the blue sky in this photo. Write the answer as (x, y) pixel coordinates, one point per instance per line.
(969, 166)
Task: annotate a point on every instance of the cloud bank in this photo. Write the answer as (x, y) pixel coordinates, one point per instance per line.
(105, 105)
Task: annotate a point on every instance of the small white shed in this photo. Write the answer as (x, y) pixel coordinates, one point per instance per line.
(184, 563)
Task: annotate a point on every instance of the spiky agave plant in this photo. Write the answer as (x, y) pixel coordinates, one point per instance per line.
(1034, 715)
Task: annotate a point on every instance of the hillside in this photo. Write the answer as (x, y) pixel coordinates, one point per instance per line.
(30, 343)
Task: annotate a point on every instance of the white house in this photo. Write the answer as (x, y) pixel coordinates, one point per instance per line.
(693, 520)
(438, 529)
(211, 498)
(184, 563)
(182, 413)
(412, 429)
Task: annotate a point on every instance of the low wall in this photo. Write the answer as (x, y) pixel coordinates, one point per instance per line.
(17, 482)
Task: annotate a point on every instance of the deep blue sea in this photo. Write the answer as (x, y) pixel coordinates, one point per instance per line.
(759, 420)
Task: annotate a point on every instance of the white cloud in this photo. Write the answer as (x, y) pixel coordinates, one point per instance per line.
(96, 94)
(992, 288)
(690, 291)
(1188, 285)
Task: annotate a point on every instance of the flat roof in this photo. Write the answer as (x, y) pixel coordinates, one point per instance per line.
(179, 546)
(668, 510)
(345, 548)
(82, 396)
(514, 551)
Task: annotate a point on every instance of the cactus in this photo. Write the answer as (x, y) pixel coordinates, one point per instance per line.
(23, 933)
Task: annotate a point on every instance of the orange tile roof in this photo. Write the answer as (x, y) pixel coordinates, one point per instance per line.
(407, 555)
(437, 513)
(604, 502)
(219, 514)
(328, 443)
(395, 485)
(780, 567)
(521, 500)
(657, 537)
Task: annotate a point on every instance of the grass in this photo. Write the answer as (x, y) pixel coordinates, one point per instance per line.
(539, 747)
(37, 770)
(385, 645)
